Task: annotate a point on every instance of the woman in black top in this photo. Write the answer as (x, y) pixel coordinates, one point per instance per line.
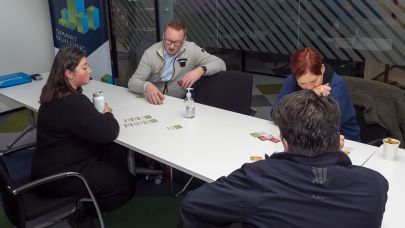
(73, 136)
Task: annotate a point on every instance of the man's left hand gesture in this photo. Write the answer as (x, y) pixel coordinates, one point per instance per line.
(191, 77)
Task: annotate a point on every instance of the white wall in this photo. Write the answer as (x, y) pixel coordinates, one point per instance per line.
(26, 42)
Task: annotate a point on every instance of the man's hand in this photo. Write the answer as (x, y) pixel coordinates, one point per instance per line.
(191, 77)
(341, 142)
(322, 90)
(153, 94)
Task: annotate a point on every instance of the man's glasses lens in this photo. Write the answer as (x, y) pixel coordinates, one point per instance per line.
(170, 42)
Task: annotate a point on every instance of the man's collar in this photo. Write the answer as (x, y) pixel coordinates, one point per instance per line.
(165, 55)
(330, 158)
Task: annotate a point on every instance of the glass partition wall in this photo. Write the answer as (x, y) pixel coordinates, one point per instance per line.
(363, 38)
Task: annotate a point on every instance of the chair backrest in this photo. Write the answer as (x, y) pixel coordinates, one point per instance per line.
(13, 205)
(230, 90)
(377, 108)
(370, 133)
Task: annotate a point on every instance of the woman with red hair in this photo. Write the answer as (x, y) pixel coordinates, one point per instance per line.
(310, 72)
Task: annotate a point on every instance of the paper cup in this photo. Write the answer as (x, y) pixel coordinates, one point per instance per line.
(390, 148)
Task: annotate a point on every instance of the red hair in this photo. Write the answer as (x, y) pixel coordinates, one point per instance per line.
(306, 59)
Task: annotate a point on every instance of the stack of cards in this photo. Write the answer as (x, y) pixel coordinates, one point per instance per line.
(256, 158)
(347, 150)
(138, 121)
(174, 127)
(265, 136)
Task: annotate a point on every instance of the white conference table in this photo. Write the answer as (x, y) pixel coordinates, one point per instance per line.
(28, 94)
(212, 144)
(209, 146)
(392, 171)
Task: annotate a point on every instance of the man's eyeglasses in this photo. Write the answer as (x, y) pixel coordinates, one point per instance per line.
(170, 42)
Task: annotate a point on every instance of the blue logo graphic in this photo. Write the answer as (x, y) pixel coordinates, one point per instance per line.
(79, 23)
(77, 17)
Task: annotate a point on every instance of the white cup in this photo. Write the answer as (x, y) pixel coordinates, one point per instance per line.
(390, 149)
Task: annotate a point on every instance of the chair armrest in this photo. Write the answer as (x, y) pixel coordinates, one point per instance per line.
(253, 111)
(18, 148)
(35, 183)
(376, 142)
(44, 180)
(12, 110)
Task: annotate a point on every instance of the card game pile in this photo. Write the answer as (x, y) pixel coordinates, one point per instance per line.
(265, 136)
(138, 121)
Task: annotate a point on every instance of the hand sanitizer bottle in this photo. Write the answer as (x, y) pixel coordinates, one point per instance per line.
(98, 101)
(189, 105)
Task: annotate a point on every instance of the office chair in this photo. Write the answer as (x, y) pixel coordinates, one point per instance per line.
(370, 133)
(13, 145)
(22, 204)
(229, 90)
(151, 173)
(377, 104)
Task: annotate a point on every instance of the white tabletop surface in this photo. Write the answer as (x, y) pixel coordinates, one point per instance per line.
(392, 171)
(25, 94)
(208, 146)
(212, 144)
(28, 94)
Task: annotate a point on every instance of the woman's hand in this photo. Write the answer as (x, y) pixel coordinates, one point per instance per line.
(341, 142)
(322, 90)
(107, 108)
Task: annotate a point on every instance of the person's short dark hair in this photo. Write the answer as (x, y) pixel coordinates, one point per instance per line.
(177, 25)
(308, 122)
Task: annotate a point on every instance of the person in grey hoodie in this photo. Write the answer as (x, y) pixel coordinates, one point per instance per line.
(172, 65)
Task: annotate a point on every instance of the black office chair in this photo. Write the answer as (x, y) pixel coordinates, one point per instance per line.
(229, 90)
(380, 109)
(14, 144)
(22, 204)
(370, 133)
(150, 172)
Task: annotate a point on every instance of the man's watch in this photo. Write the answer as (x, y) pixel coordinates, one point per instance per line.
(204, 68)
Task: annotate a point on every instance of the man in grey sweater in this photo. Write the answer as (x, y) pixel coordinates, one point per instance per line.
(172, 65)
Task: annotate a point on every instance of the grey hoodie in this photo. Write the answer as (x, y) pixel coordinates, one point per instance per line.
(190, 56)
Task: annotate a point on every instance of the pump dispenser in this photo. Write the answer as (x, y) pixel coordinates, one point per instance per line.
(189, 105)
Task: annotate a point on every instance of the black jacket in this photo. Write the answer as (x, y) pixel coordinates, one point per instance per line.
(287, 190)
(70, 134)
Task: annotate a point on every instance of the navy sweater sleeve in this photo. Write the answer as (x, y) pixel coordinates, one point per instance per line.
(348, 126)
